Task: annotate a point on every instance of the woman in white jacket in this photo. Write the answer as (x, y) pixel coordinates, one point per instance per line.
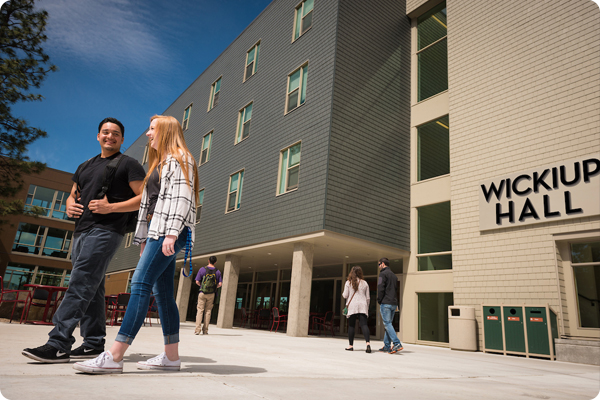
(165, 226)
(356, 293)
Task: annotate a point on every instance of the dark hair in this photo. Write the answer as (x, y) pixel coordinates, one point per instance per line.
(113, 121)
(385, 261)
(212, 260)
(355, 275)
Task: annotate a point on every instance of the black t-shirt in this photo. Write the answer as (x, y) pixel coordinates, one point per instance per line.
(153, 186)
(90, 182)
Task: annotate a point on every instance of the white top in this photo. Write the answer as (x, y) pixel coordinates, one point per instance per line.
(361, 300)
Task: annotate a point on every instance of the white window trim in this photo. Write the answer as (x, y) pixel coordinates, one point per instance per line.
(299, 7)
(279, 170)
(239, 128)
(212, 94)
(183, 120)
(128, 239)
(255, 62)
(146, 151)
(287, 86)
(237, 196)
(209, 148)
(198, 219)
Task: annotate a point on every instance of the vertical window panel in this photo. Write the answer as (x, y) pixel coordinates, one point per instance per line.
(433, 149)
(206, 144)
(289, 168)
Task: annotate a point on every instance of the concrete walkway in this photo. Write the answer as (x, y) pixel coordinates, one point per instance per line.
(250, 364)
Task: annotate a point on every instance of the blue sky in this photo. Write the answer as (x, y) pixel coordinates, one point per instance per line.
(129, 59)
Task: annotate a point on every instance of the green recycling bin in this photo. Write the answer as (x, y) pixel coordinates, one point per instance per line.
(492, 328)
(537, 331)
(514, 329)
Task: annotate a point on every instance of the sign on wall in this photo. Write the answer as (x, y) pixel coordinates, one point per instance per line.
(569, 189)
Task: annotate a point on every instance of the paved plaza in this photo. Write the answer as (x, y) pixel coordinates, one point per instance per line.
(252, 364)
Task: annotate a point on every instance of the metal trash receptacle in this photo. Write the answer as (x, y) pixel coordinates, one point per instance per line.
(541, 330)
(492, 329)
(462, 328)
(514, 331)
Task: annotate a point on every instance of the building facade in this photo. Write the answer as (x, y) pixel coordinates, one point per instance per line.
(461, 141)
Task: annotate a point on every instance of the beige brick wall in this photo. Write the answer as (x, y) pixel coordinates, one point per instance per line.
(524, 90)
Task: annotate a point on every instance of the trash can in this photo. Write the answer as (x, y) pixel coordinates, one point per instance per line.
(540, 332)
(514, 331)
(462, 328)
(492, 328)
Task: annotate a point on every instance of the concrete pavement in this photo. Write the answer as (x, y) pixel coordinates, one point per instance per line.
(251, 364)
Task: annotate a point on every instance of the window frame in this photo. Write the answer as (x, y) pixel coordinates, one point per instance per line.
(574, 265)
(42, 242)
(238, 191)
(299, 89)
(146, 151)
(277, 193)
(420, 255)
(255, 61)
(186, 121)
(51, 209)
(300, 8)
(128, 239)
(240, 124)
(429, 46)
(419, 162)
(211, 100)
(199, 207)
(208, 148)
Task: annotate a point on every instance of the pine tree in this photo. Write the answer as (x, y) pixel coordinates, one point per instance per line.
(23, 67)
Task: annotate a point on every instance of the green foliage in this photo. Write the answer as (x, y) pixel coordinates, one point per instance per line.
(23, 67)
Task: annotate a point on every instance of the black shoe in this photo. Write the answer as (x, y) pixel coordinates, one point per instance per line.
(46, 354)
(83, 352)
(350, 348)
(368, 348)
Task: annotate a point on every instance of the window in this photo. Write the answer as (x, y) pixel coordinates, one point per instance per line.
(186, 117)
(289, 166)
(235, 191)
(145, 156)
(433, 149)
(54, 202)
(433, 316)
(434, 237)
(303, 20)
(244, 118)
(432, 52)
(199, 208)
(17, 275)
(206, 142)
(296, 93)
(215, 89)
(251, 61)
(41, 240)
(585, 260)
(128, 239)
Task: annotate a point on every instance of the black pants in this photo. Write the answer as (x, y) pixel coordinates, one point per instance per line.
(362, 318)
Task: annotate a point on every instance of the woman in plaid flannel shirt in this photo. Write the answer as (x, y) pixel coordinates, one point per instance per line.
(166, 218)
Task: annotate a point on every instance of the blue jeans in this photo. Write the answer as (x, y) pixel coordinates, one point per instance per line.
(387, 315)
(84, 299)
(154, 274)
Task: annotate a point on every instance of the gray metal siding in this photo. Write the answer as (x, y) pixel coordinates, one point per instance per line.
(368, 190)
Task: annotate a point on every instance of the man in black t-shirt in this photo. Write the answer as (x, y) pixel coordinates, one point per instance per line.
(99, 229)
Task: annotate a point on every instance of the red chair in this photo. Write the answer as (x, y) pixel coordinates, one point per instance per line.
(152, 308)
(39, 298)
(279, 318)
(13, 296)
(264, 315)
(325, 323)
(120, 307)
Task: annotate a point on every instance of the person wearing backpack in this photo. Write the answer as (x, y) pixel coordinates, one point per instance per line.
(101, 200)
(209, 279)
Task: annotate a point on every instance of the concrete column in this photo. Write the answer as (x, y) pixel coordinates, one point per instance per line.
(231, 276)
(183, 295)
(299, 307)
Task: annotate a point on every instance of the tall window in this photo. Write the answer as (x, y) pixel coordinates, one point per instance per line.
(145, 156)
(41, 240)
(303, 20)
(289, 167)
(54, 202)
(435, 237)
(432, 52)
(251, 61)
(234, 196)
(244, 118)
(206, 142)
(186, 117)
(433, 149)
(199, 208)
(215, 89)
(128, 239)
(296, 93)
(585, 260)
(433, 316)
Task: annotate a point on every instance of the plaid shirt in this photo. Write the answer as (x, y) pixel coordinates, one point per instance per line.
(175, 207)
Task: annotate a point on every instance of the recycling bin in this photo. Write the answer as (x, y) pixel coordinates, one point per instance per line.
(541, 332)
(462, 328)
(514, 329)
(492, 328)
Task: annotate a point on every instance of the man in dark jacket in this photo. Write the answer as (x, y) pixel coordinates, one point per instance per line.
(386, 297)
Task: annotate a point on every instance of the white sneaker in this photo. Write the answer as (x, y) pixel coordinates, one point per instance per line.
(160, 362)
(103, 364)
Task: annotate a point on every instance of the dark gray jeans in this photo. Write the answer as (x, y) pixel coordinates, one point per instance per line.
(84, 299)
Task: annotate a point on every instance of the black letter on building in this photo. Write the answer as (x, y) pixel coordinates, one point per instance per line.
(555, 177)
(563, 175)
(539, 180)
(568, 205)
(516, 182)
(586, 169)
(493, 189)
(525, 213)
(547, 212)
(510, 214)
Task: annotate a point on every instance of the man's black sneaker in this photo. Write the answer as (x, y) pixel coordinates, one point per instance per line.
(46, 354)
(83, 353)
